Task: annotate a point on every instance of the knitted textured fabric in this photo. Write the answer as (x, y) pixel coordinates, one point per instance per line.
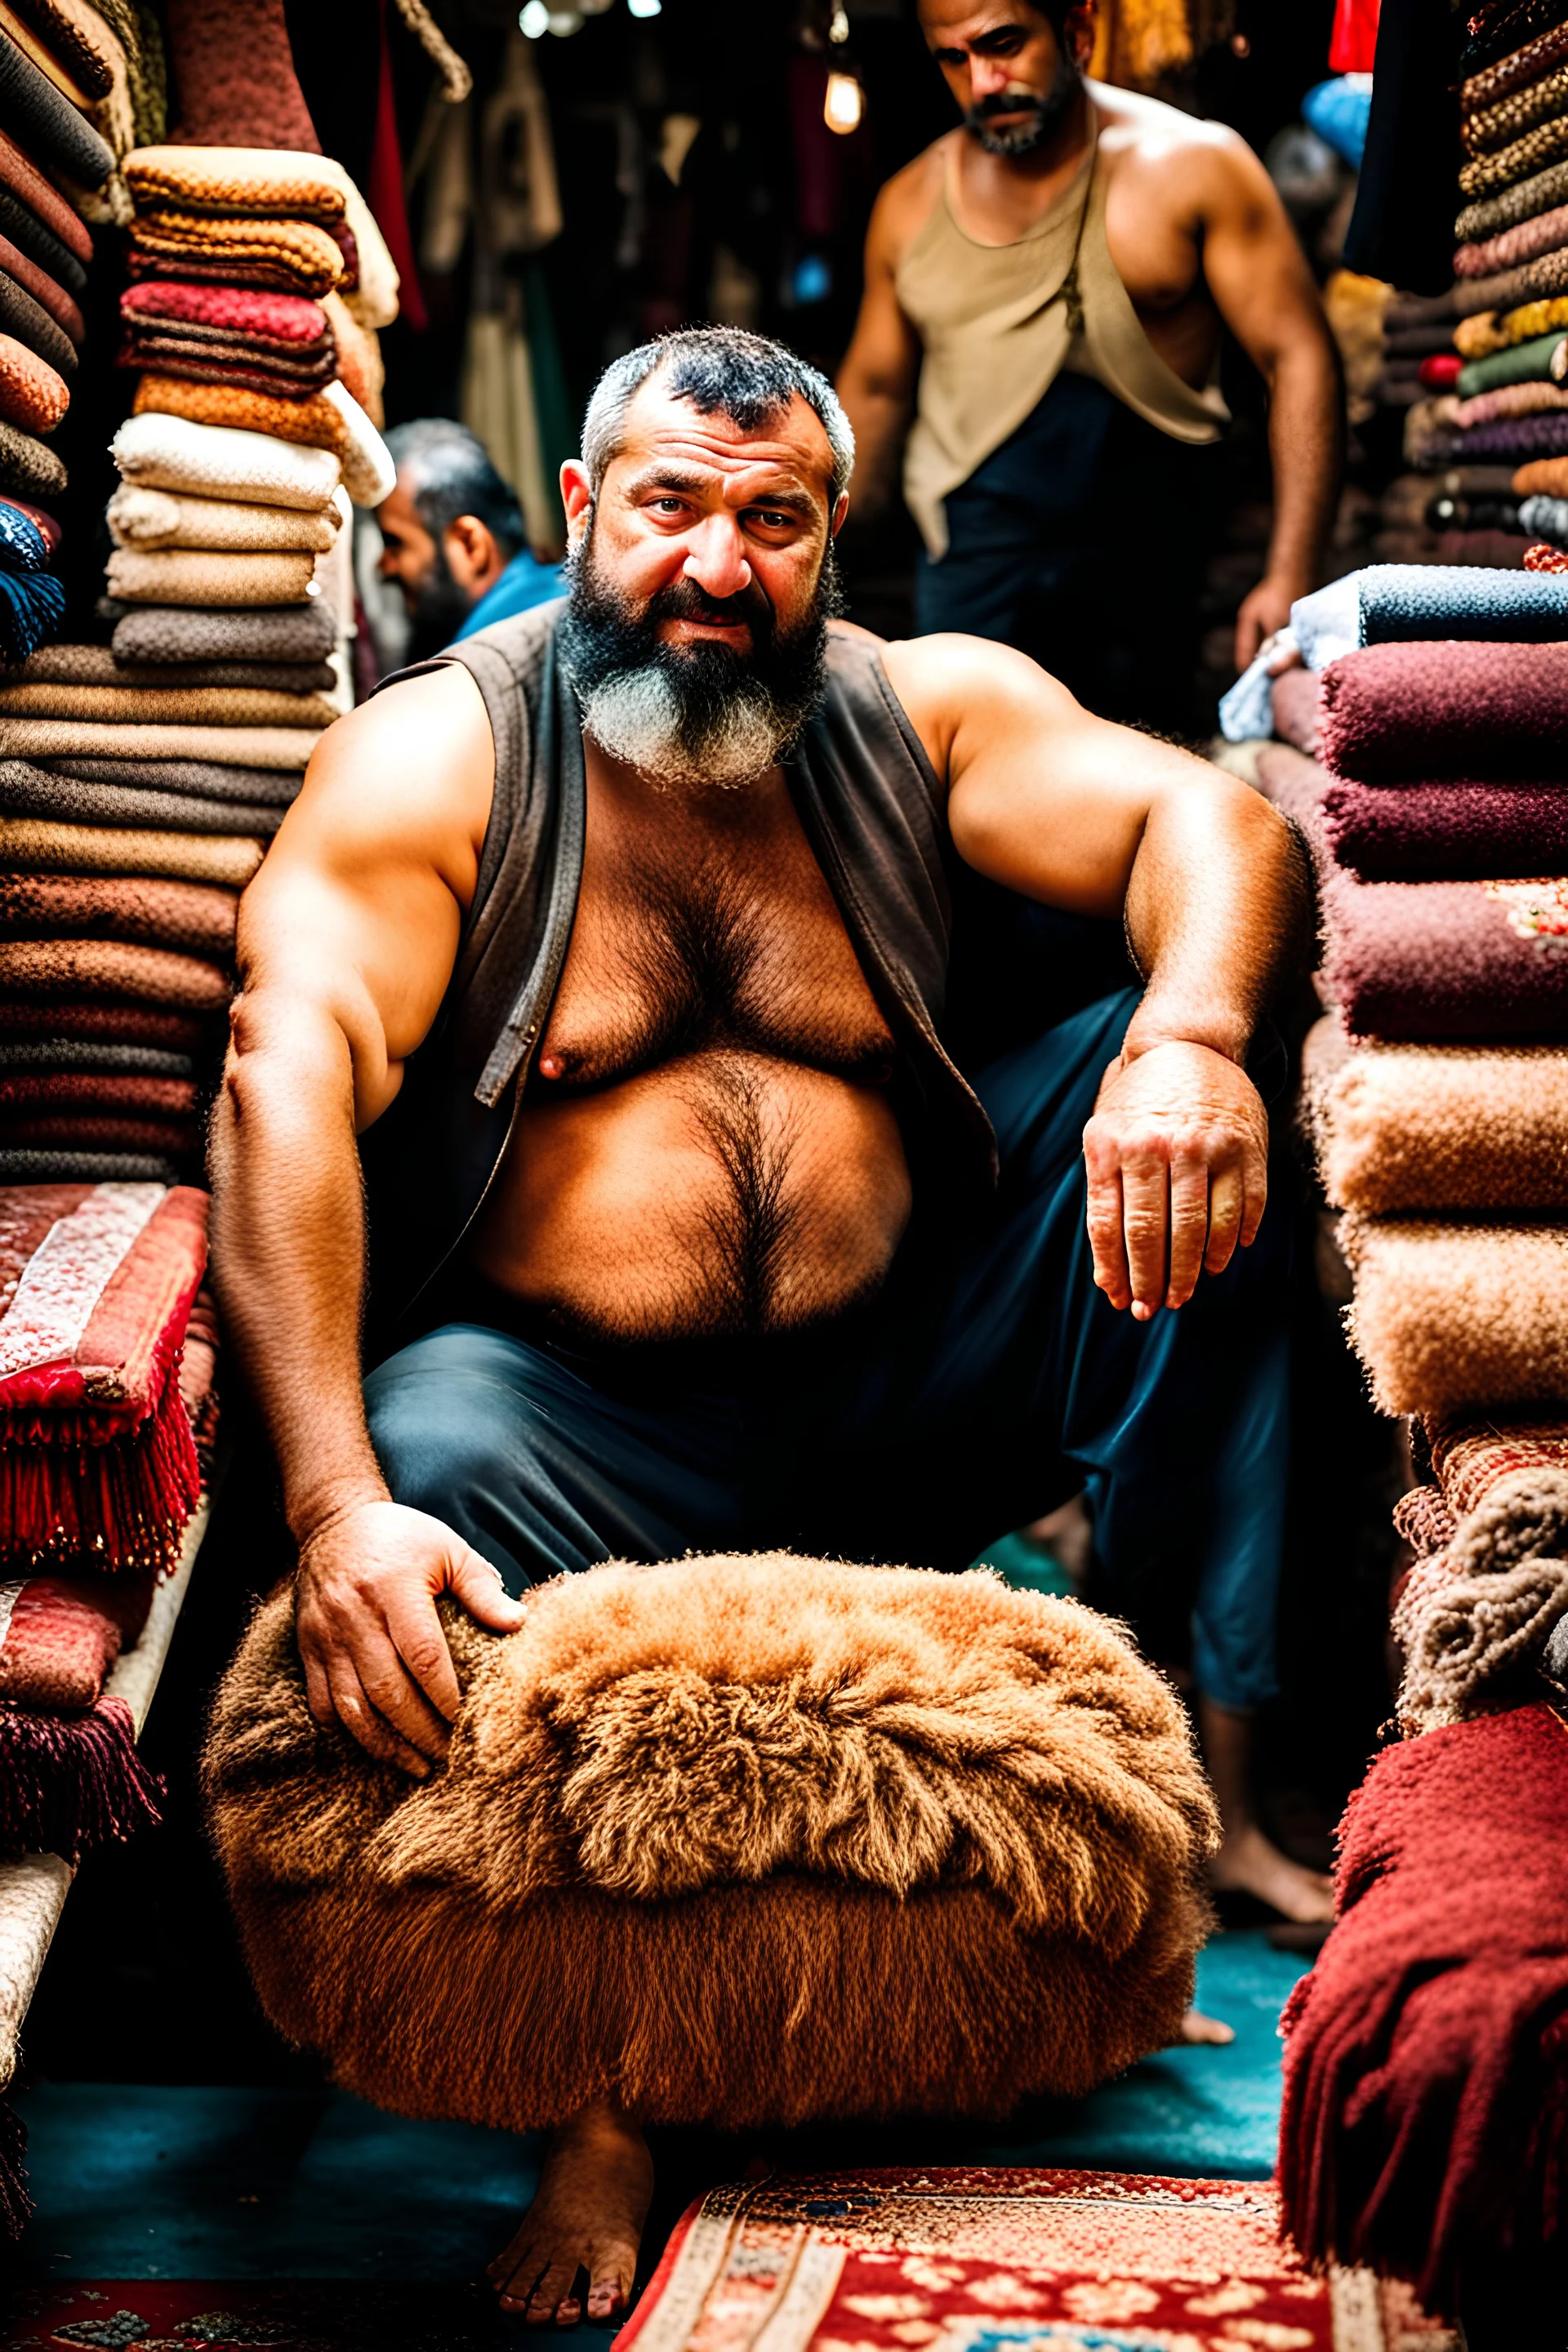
(291, 257)
(991, 1938)
(1444, 708)
(49, 211)
(30, 324)
(1429, 960)
(48, 293)
(1528, 200)
(223, 362)
(1521, 160)
(1547, 233)
(32, 608)
(1294, 696)
(244, 747)
(69, 1784)
(1423, 2121)
(238, 310)
(96, 1094)
(359, 360)
(95, 1440)
(1543, 478)
(114, 967)
(26, 234)
(332, 420)
(163, 634)
(47, 123)
(1495, 330)
(1474, 1638)
(1538, 361)
(1524, 64)
(165, 823)
(104, 1053)
(25, 1164)
(234, 71)
(170, 453)
(67, 665)
(1436, 833)
(1393, 602)
(197, 577)
(1512, 439)
(1508, 289)
(41, 522)
(201, 779)
(234, 180)
(1529, 399)
(1404, 1129)
(1547, 517)
(1456, 1318)
(158, 519)
(195, 916)
(33, 397)
(86, 1018)
(58, 1640)
(29, 468)
(219, 706)
(175, 1142)
(23, 547)
(1486, 128)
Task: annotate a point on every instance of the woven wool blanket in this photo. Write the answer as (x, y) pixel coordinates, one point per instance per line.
(1011, 1902)
(1411, 1130)
(274, 788)
(32, 326)
(199, 917)
(1433, 833)
(59, 1638)
(63, 823)
(32, 608)
(1506, 289)
(1452, 1317)
(239, 746)
(83, 42)
(1385, 603)
(107, 1054)
(33, 396)
(198, 576)
(226, 361)
(46, 291)
(331, 420)
(1538, 360)
(287, 256)
(24, 231)
(234, 180)
(169, 634)
(24, 1164)
(69, 665)
(1485, 128)
(75, 966)
(279, 319)
(1547, 233)
(30, 469)
(1523, 65)
(52, 128)
(96, 1453)
(172, 453)
(1434, 960)
(85, 1018)
(160, 519)
(172, 704)
(35, 197)
(232, 64)
(1484, 175)
(1397, 713)
(1425, 2123)
(175, 1143)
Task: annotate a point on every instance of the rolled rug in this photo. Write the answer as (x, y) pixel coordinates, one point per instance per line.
(1538, 360)
(64, 739)
(161, 451)
(47, 123)
(37, 844)
(331, 420)
(1496, 330)
(274, 788)
(163, 634)
(1424, 2126)
(199, 576)
(1505, 289)
(1484, 175)
(197, 916)
(1446, 708)
(32, 609)
(105, 1025)
(114, 967)
(69, 665)
(28, 466)
(1538, 55)
(59, 1636)
(46, 290)
(33, 396)
(1415, 1129)
(38, 803)
(1428, 960)
(37, 206)
(1510, 400)
(1455, 1318)
(30, 324)
(56, 265)
(1523, 242)
(1433, 833)
(284, 256)
(1526, 200)
(1515, 438)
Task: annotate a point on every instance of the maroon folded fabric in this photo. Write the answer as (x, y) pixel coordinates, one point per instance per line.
(1426, 2111)
(122, 1019)
(124, 1094)
(1453, 959)
(235, 310)
(1294, 695)
(199, 917)
(247, 371)
(1441, 707)
(22, 176)
(163, 1138)
(1427, 833)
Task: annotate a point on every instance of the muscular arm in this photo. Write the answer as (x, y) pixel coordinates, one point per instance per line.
(1259, 280)
(1070, 810)
(877, 380)
(346, 941)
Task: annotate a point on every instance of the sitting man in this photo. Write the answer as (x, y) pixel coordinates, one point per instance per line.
(639, 930)
(453, 537)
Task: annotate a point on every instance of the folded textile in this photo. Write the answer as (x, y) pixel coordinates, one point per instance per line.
(173, 704)
(196, 778)
(1545, 518)
(233, 66)
(47, 845)
(1456, 1318)
(1294, 698)
(1385, 604)
(70, 665)
(1446, 707)
(70, 1784)
(244, 747)
(195, 916)
(29, 468)
(226, 361)
(1420, 310)
(200, 576)
(1485, 128)
(25, 1164)
(35, 196)
(174, 1141)
(236, 181)
(331, 420)
(1429, 833)
(1447, 959)
(1543, 478)
(107, 1054)
(30, 324)
(160, 519)
(235, 310)
(1527, 200)
(1508, 289)
(46, 291)
(58, 1640)
(359, 359)
(161, 634)
(81, 41)
(101, 1026)
(1519, 438)
(1531, 399)
(83, 809)
(114, 967)
(1484, 175)
(32, 609)
(1424, 2128)
(1523, 65)
(33, 396)
(25, 233)
(51, 127)
(1411, 1130)
(44, 524)
(1525, 241)
(172, 453)
(1495, 330)
(95, 1440)
(289, 256)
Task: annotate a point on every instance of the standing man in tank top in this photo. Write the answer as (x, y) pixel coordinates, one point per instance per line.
(1045, 286)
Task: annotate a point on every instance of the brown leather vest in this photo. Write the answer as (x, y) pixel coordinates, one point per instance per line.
(873, 812)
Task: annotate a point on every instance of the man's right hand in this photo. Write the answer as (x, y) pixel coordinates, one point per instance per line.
(376, 1658)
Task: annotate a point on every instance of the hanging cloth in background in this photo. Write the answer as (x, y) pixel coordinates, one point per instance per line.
(383, 191)
(233, 71)
(1353, 44)
(1136, 41)
(1403, 226)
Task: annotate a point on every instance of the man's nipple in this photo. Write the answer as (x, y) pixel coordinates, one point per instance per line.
(553, 1064)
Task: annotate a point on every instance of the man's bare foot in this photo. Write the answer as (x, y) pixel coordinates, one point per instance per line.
(1249, 1863)
(587, 2214)
(1197, 2028)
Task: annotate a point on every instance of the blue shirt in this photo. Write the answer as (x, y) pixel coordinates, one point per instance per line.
(524, 583)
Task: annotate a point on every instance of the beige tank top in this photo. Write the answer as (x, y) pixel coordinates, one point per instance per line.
(998, 323)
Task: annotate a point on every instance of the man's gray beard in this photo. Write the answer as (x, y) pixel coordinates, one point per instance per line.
(1045, 116)
(638, 717)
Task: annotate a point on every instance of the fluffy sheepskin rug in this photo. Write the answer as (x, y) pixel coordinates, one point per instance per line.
(740, 1840)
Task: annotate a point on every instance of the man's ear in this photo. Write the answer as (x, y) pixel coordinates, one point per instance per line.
(473, 558)
(839, 511)
(576, 496)
(1078, 33)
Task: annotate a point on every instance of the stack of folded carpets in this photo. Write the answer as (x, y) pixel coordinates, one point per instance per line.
(106, 1356)
(57, 73)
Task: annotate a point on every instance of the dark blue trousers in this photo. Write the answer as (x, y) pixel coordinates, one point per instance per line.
(988, 1382)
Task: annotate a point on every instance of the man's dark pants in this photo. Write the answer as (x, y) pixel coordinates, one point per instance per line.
(988, 1382)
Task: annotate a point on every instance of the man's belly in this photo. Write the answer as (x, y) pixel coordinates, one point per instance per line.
(729, 1193)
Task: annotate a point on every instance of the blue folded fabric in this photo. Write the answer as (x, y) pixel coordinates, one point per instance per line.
(23, 547)
(32, 613)
(1389, 603)
(1545, 518)
(1338, 111)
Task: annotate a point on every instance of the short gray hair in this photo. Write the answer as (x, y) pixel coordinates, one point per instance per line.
(723, 371)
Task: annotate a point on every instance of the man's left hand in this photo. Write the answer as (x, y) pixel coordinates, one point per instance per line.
(1267, 608)
(1177, 1154)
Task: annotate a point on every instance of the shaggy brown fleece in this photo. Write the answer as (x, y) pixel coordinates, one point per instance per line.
(741, 1840)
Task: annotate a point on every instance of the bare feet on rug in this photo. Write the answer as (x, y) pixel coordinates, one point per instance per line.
(587, 2215)
(1197, 2028)
(1249, 1863)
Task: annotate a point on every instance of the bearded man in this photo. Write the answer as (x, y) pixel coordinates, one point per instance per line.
(1046, 286)
(674, 944)
(453, 537)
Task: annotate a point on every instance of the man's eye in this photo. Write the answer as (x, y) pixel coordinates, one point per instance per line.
(668, 506)
(771, 518)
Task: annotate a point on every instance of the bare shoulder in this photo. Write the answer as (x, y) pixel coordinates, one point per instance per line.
(951, 685)
(1144, 139)
(904, 203)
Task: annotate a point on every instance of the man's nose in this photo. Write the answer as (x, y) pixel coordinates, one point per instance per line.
(716, 558)
(989, 76)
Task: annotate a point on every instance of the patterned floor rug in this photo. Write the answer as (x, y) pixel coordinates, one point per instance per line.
(1006, 2261)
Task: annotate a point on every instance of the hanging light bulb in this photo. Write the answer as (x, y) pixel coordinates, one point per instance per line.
(644, 7)
(844, 104)
(535, 20)
(838, 27)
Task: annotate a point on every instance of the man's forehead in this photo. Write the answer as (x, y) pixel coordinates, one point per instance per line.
(959, 22)
(792, 443)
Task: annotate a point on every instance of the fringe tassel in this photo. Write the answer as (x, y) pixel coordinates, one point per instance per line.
(70, 1783)
(125, 1501)
(15, 2205)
